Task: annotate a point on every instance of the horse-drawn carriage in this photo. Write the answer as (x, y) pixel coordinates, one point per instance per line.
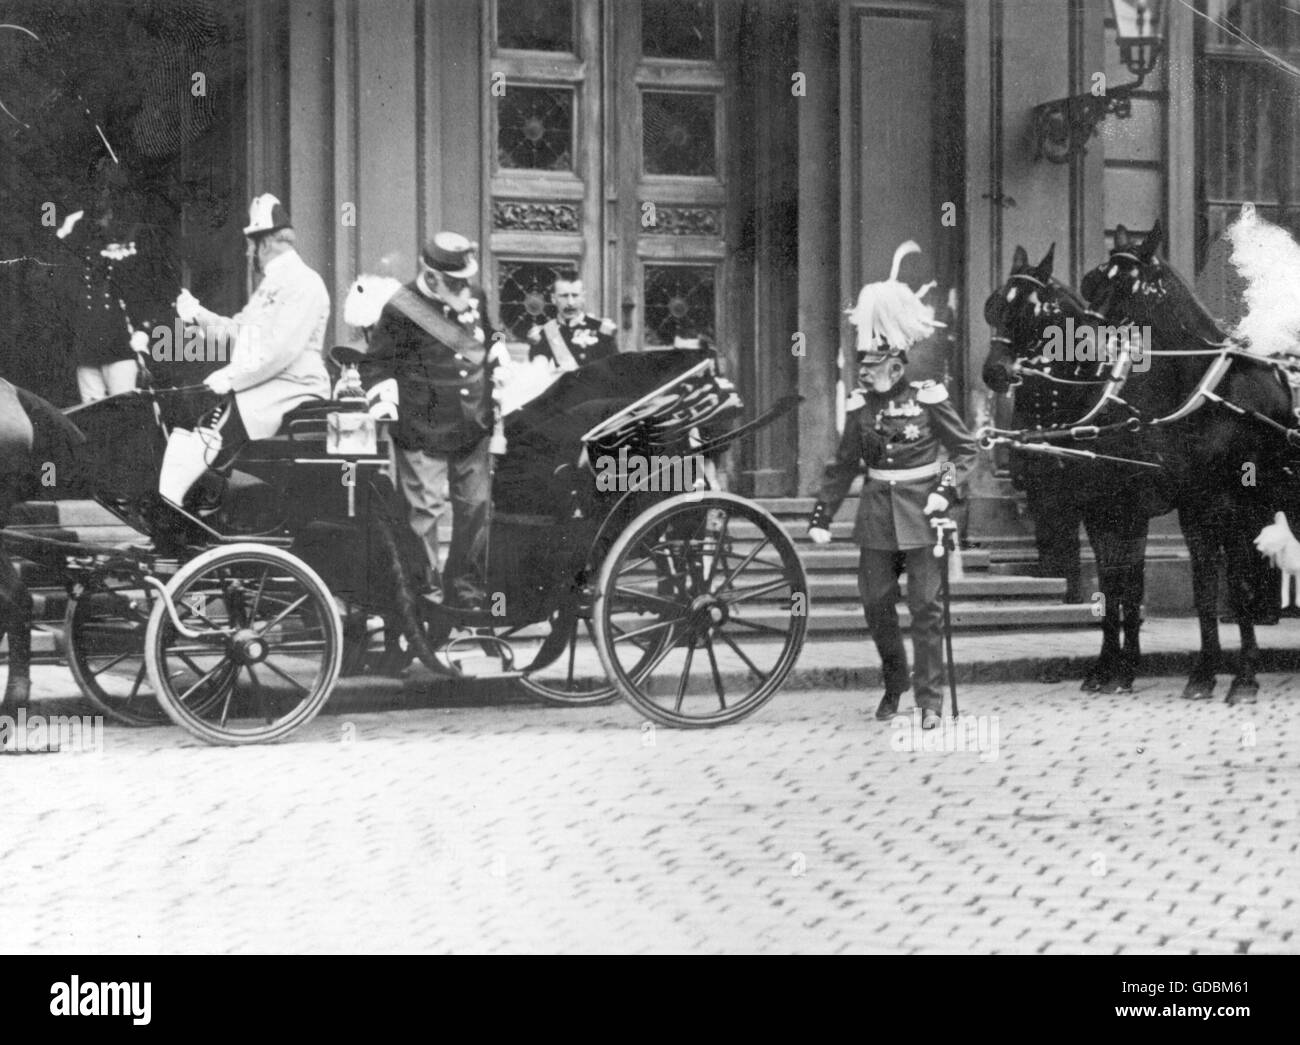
(604, 520)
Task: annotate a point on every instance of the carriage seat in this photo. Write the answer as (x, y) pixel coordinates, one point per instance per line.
(316, 410)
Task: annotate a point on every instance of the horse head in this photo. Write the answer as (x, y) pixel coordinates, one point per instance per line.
(1020, 313)
(1137, 287)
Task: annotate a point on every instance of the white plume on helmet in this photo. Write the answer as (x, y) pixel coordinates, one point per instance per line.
(891, 311)
(1269, 261)
(366, 299)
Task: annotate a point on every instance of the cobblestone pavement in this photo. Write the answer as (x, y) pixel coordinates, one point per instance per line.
(1139, 824)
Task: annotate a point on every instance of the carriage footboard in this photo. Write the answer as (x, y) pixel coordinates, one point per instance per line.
(49, 551)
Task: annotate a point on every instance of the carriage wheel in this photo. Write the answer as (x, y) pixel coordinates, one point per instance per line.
(104, 630)
(717, 584)
(563, 682)
(266, 624)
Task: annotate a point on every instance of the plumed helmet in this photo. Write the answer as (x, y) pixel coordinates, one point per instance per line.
(266, 214)
(890, 316)
(366, 299)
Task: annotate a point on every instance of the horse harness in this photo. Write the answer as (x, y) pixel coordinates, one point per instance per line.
(1040, 440)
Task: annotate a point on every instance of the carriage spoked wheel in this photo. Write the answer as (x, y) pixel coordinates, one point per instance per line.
(259, 618)
(565, 681)
(714, 581)
(104, 630)
(570, 680)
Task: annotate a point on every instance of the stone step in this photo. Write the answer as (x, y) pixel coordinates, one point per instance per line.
(829, 618)
(1002, 589)
(842, 556)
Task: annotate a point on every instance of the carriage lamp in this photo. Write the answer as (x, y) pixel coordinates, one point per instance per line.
(1062, 127)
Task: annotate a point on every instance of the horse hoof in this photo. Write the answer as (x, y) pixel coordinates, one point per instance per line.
(1198, 691)
(1123, 687)
(1094, 684)
(18, 694)
(1243, 693)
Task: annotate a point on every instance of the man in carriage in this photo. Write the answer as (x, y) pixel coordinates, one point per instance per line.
(897, 429)
(274, 347)
(573, 338)
(432, 352)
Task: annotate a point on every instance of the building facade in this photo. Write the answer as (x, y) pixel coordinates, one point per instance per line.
(736, 168)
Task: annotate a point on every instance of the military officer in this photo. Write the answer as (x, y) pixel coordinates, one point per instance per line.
(896, 429)
(573, 338)
(101, 332)
(434, 350)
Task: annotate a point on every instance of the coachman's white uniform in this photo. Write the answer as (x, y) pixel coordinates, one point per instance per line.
(277, 362)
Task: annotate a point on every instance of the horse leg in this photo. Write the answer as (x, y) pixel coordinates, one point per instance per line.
(1245, 579)
(1205, 594)
(1056, 516)
(1134, 587)
(16, 621)
(1101, 675)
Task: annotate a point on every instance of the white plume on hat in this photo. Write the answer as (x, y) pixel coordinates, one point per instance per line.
(891, 311)
(1269, 261)
(366, 299)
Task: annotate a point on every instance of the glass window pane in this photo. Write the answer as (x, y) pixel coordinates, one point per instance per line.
(535, 25)
(677, 29)
(678, 131)
(524, 293)
(679, 302)
(535, 128)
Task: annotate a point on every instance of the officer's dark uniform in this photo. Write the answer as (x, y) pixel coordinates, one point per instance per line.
(98, 322)
(445, 413)
(587, 339)
(897, 435)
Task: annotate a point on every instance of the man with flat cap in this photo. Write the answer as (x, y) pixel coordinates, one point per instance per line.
(274, 350)
(433, 345)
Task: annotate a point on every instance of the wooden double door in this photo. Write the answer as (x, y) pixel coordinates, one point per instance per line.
(606, 157)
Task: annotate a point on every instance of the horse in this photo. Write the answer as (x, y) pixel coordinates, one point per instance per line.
(1033, 316)
(36, 442)
(1218, 420)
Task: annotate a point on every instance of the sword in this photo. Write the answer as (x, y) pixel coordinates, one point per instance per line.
(943, 527)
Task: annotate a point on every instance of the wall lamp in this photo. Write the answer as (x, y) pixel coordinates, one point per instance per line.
(1063, 127)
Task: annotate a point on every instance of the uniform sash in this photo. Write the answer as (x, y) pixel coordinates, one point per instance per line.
(559, 350)
(425, 315)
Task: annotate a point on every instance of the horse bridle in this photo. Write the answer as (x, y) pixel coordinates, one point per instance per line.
(1204, 392)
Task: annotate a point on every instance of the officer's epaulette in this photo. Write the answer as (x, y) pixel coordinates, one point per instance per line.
(855, 401)
(930, 391)
(608, 327)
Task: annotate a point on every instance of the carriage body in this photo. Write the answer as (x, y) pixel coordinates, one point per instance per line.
(604, 518)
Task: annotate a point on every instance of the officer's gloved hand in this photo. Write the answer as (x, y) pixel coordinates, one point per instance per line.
(936, 504)
(819, 523)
